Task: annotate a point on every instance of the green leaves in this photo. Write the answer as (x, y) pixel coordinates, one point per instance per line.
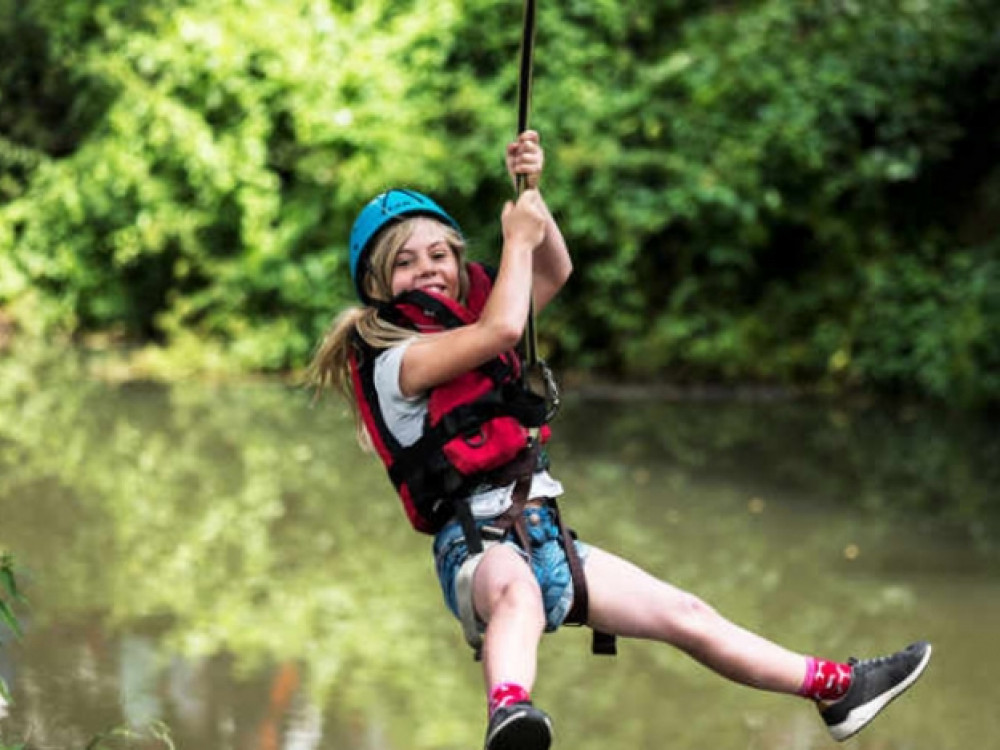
(9, 594)
(7, 618)
(187, 174)
(7, 582)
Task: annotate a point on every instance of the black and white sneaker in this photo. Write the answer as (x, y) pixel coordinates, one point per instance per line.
(519, 726)
(874, 683)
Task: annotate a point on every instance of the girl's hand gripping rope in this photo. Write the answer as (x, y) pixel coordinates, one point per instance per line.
(524, 222)
(525, 157)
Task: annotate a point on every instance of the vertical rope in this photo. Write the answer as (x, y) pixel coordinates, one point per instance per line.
(523, 113)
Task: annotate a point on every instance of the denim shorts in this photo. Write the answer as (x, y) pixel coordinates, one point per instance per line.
(547, 560)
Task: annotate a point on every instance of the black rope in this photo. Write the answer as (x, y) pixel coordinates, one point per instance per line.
(524, 78)
(521, 182)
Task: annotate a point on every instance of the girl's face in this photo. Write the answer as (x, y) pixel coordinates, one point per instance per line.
(426, 262)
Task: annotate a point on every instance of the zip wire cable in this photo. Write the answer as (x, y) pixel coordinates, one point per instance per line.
(531, 359)
(521, 181)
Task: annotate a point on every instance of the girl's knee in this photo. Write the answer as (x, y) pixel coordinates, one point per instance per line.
(520, 592)
(693, 621)
(519, 595)
(506, 582)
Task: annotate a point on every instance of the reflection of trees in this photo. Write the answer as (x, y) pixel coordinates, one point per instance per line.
(242, 534)
(238, 519)
(891, 462)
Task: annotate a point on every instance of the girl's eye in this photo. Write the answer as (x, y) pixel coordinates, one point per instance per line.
(401, 263)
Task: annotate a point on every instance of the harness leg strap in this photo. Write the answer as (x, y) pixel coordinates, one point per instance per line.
(603, 643)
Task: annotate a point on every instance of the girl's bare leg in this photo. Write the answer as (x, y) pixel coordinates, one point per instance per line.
(508, 599)
(627, 601)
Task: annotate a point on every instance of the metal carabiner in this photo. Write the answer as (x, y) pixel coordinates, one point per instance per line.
(553, 398)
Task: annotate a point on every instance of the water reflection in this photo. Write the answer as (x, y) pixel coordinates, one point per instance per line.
(222, 559)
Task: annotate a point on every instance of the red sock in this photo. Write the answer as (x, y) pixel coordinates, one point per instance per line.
(825, 680)
(506, 693)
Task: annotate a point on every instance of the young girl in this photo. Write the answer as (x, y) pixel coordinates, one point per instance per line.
(428, 365)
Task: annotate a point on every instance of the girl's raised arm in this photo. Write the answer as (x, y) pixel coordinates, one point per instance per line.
(438, 358)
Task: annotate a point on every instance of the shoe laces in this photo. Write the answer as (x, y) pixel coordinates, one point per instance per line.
(864, 665)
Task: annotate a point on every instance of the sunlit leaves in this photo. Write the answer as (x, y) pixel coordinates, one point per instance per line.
(186, 173)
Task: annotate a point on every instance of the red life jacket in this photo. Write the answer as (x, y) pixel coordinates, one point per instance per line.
(477, 425)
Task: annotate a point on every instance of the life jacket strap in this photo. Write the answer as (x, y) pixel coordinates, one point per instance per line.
(418, 462)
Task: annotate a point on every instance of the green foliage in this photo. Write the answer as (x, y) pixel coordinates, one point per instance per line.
(9, 594)
(931, 327)
(782, 191)
(756, 165)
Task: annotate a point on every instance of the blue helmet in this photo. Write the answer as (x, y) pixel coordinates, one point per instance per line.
(382, 210)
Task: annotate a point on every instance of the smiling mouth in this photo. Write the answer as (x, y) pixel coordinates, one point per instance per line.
(439, 288)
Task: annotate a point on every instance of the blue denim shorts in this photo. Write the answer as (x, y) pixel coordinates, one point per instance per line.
(547, 560)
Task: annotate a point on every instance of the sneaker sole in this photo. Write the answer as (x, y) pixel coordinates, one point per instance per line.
(521, 732)
(860, 716)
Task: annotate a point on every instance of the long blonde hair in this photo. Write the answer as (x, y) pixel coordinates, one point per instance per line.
(330, 366)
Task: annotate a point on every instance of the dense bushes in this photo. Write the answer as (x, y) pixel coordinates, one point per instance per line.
(779, 191)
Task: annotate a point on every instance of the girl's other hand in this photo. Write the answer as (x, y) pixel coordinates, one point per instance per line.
(525, 156)
(524, 221)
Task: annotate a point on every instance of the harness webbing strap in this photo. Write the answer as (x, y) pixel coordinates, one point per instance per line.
(577, 614)
(603, 643)
(473, 539)
(512, 521)
(513, 517)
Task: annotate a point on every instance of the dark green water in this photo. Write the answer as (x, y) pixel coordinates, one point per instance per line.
(224, 560)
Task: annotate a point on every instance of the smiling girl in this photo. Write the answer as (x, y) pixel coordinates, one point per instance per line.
(428, 364)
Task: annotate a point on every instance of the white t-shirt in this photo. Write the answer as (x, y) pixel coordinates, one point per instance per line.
(405, 419)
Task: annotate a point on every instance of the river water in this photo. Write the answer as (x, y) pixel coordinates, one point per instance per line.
(214, 567)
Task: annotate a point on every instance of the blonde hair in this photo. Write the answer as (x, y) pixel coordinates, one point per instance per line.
(330, 366)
